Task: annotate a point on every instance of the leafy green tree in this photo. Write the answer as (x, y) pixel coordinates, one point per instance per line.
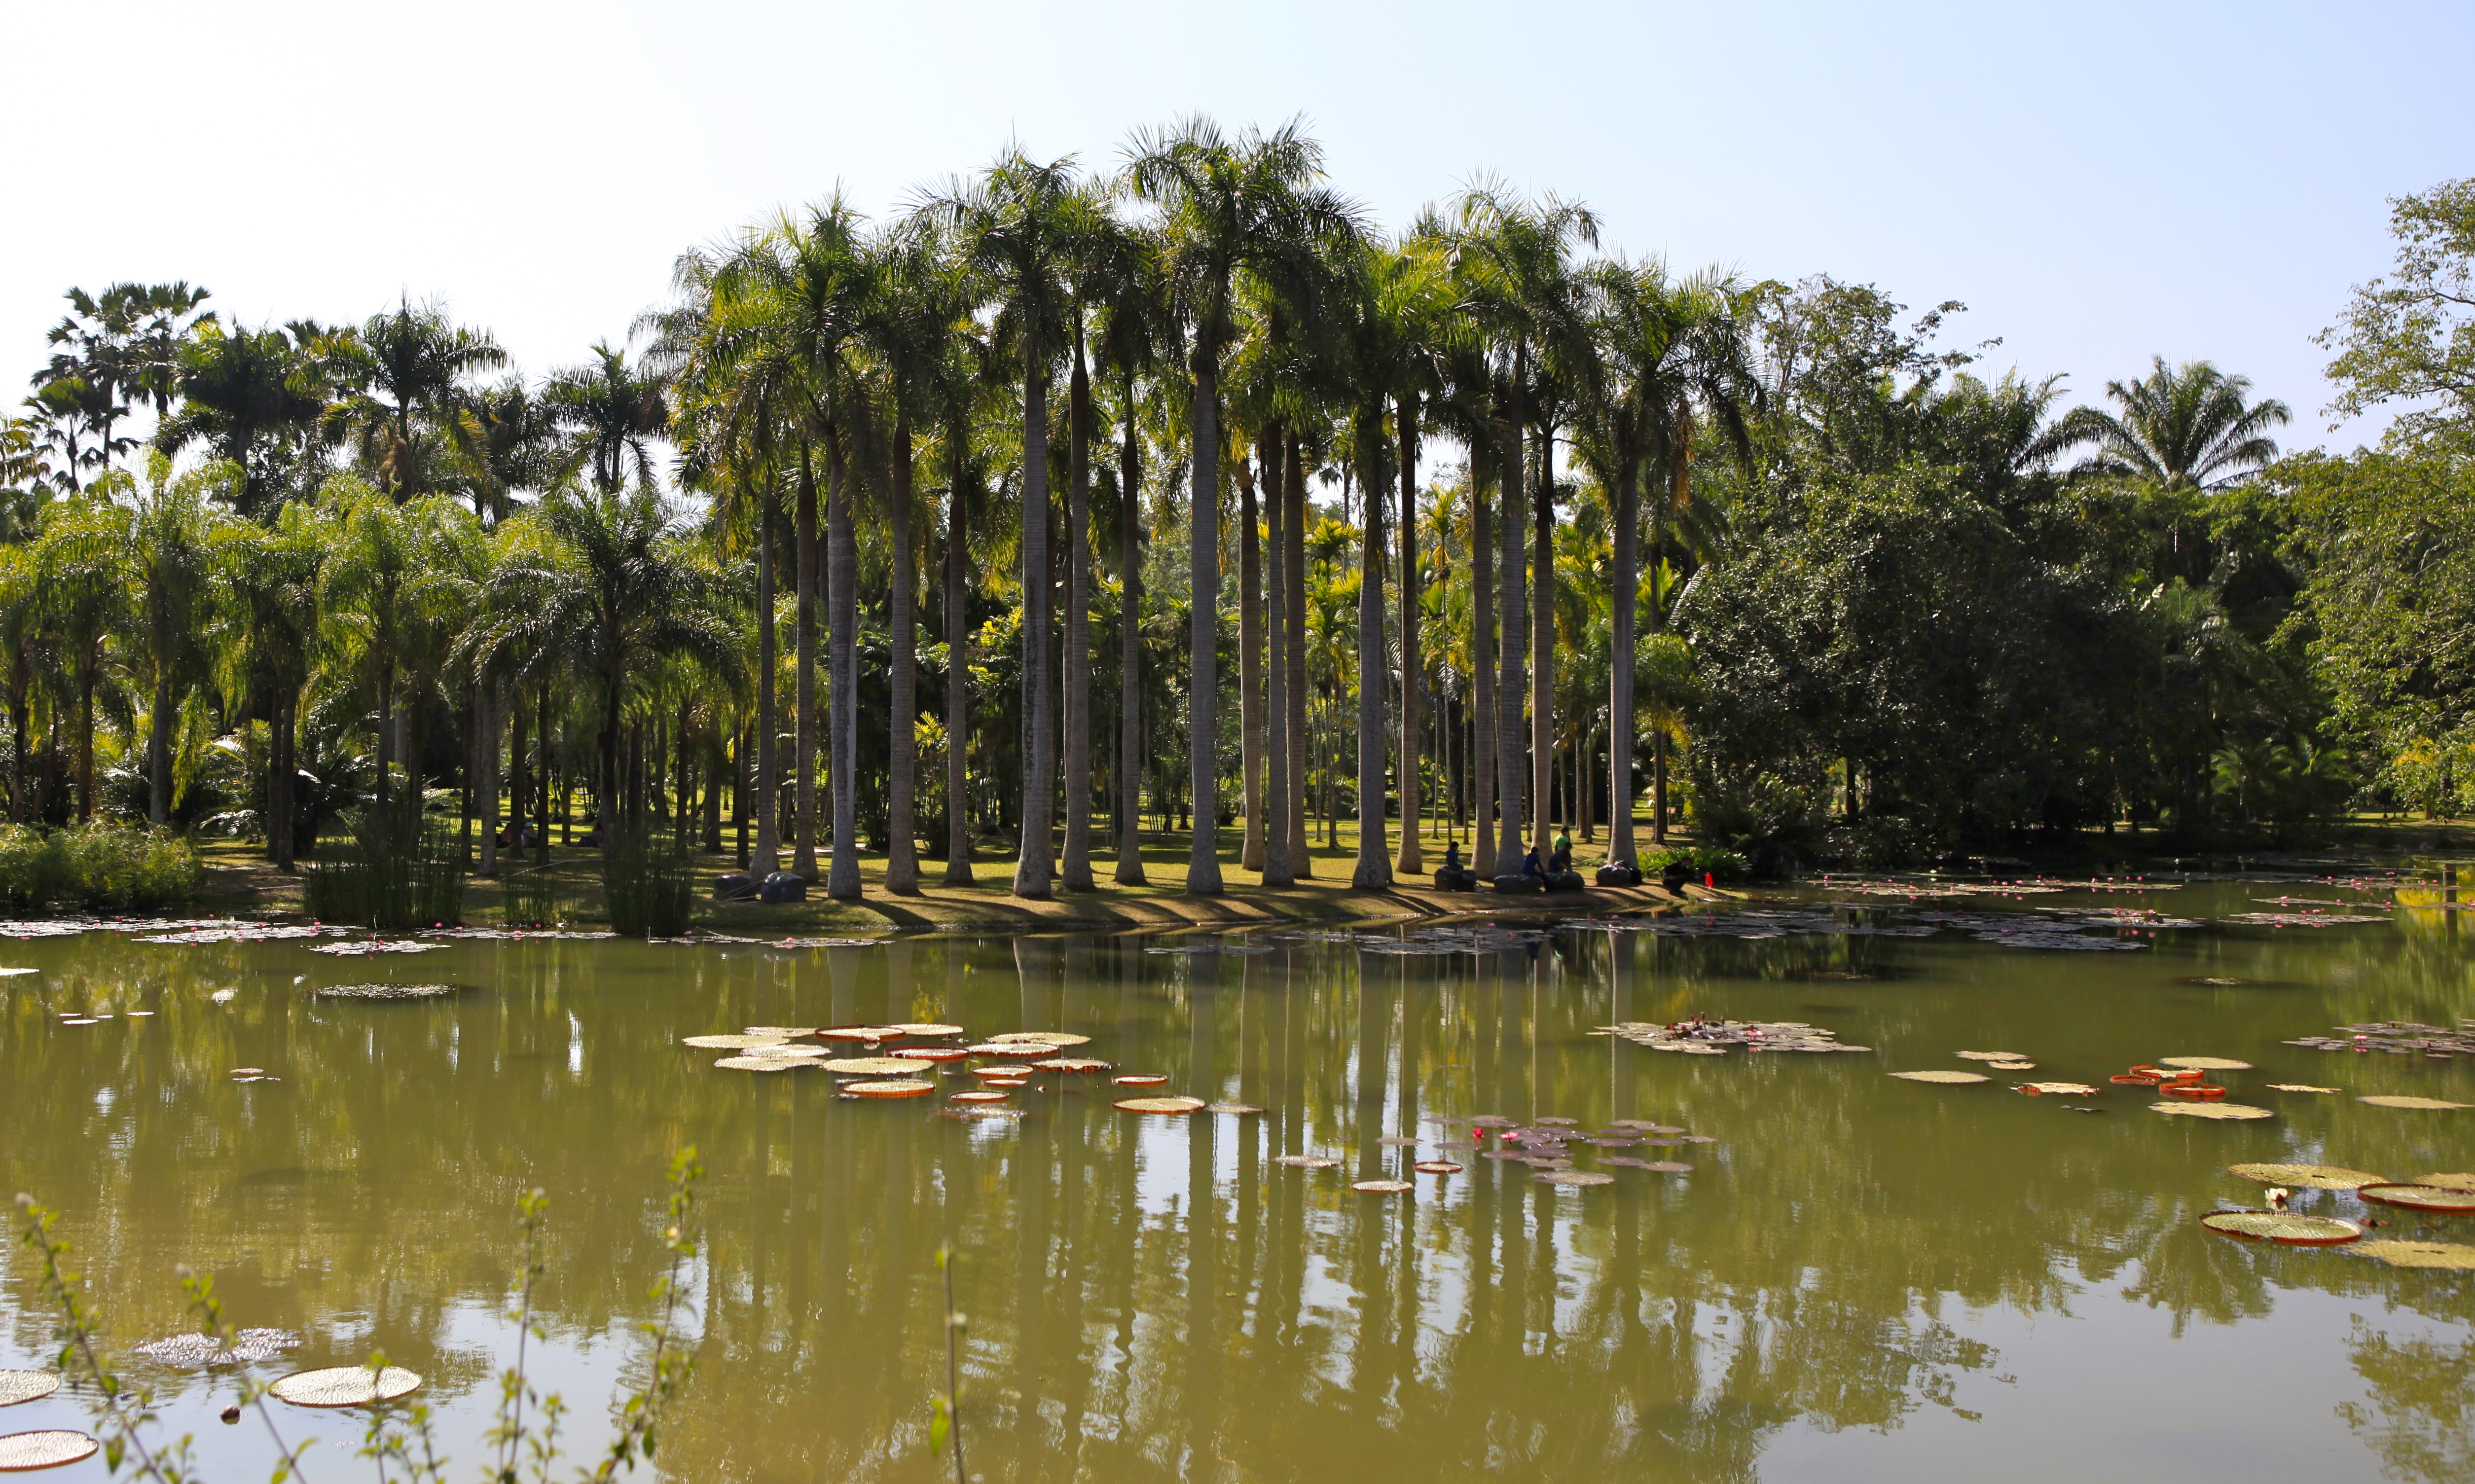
(611, 412)
(2410, 337)
(401, 377)
(250, 396)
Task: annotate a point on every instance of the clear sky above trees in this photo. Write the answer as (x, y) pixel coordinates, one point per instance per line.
(2100, 184)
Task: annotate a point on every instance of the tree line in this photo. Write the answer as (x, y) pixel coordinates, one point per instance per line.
(1489, 529)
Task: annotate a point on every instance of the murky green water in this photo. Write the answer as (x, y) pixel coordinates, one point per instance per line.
(1864, 1279)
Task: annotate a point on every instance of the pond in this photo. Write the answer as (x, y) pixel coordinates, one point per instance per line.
(1859, 1276)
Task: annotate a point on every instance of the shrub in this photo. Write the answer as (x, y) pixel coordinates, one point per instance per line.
(96, 866)
(1723, 865)
(398, 868)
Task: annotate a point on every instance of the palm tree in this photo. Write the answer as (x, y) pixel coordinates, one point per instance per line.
(121, 348)
(80, 593)
(2190, 426)
(1020, 227)
(247, 394)
(403, 376)
(169, 557)
(611, 412)
(268, 578)
(369, 593)
(1227, 206)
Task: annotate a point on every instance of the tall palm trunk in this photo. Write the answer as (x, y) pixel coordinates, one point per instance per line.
(1374, 869)
(958, 720)
(1542, 639)
(1203, 637)
(1075, 869)
(1480, 759)
(1412, 861)
(1680, 486)
(485, 780)
(768, 786)
(1513, 687)
(1280, 868)
(1250, 665)
(1038, 774)
(159, 755)
(841, 584)
(1293, 490)
(803, 827)
(541, 847)
(279, 778)
(1619, 670)
(1130, 649)
(902, 858)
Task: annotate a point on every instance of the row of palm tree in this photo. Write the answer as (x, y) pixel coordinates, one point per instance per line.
(1222, 322)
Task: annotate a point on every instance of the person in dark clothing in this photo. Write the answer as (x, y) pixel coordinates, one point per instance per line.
(1562, 860)
(1529, 866)
(1452, 855)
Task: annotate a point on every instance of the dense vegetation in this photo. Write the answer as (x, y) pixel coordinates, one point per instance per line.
(1873, 604)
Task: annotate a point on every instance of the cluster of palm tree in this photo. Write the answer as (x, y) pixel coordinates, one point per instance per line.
(1445, 480)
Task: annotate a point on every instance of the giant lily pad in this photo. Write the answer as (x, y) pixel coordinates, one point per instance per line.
(1232, 1108)
(49, 1449)
(1573, 1177)
(1161, 1105)
(1071, 1064)
(1989, 1056)
(18, 1386)
(2422, 1197)
(2447, 1181)
(1952, 1078)
(2059, 1089)
(898, 1088)
(1141, 1080)
(1436, 1167)
(867, 1034)
(732, 1042)
(1382, 1187)
(2446, 1257)
(2205, 1063)
(930, 1054)
(874, 1066)
(2435, 1103)
(2308, 1176)
(2300, 1087)
(1303, 1161)
(788, 1032)
(2282, 1226)
(1042, 1038)
(926, 1028)
(2226, 1112)
(762, 1063)
(345, 1386)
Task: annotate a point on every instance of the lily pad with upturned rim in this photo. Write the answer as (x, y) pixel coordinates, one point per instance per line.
(1307, 1161)
(1161, 1105)
(2447, 1181)
(1240, 1108)
(16, 1386)
(2223, 1112)
(345, 1386)
(793, 1033)
(763, 1063)
(1989, 1056)
(874, 1066)
(47, 1447)
(2436, 1104)
(1436, 1167)
(1141, 1080)
(2310, 1177)
(1382, 1187)
(732, 1042)
(2060, 1089)
(1045, 1037)
(979, 1097)
(2283, 1228)
(1951, 1079)
(926, 1028)
(929, 1053)
(2433, 1199)
(894, 1088)
(1071, 1064)
(2444, 1256)
(2205, 1063)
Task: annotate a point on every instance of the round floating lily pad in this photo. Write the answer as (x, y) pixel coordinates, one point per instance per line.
(931, 1054)
(2420, 1198)
(1436, 1167)
(2448, 1256)
(2308, 1177)
(2060, 1089)
(926, 1028)
(1573, 1177)
(345, 1386)
(1232, 1108)
(2205, 1063)
(1140, 1079)
(731, 1043)
(2435, 1103)
(2447, 1181)
(1550, 1121)
(1302, 1161)
(983, 1114)
(979, 1097)
(860, 1033)
(874, 1066)
(1394, 1141)
(1640, 1124)
(1382, 1187)
(1952, 1078)
(1668, 1167)
(1490, 1121)
(49, 1449)
(1547, 1162)
(18, 1386)
(791, 1032)
(1161, 1105)
(2230, 1113)
(762, 1063)
(993, 1074)
(249, 1071)
(1989, 1056)
(895, 1088)
(1071, 1064)
(791, 1053)
(1627, 1161)
(1025, 1051)
(2012, 1066)
(2300, 1087)
(2282, 1226)
(1043, 1037)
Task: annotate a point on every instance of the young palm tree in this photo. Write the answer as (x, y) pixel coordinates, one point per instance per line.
(1227, 206)
(1019, 226)
(2190, 426)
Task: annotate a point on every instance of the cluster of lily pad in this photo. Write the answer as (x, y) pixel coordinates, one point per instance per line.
(2427, 1196)
(335, 1386)
(2398, 1039)
(1701, 1035)
(1546, 1144)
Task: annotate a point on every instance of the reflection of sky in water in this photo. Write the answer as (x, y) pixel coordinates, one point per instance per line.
(1866, 1278)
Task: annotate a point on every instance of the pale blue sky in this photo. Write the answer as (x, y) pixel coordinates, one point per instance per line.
(2097, 182)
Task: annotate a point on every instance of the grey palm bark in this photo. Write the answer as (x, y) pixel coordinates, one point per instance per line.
(1203, 633)
(1620, 672)
(1481, 746)
(1279, 869)
(485, 785)
(957, 722)
(1031, 866)
(842, 580)
(1250, 666)
(1542, 638)
(279, 794)
(1512, 687)
(1412, 861)
(1293, 489)
(902, 857)
(159, 755)
(1130, 650)
(803, 557)
(1374, 869)
(768, 788)
(1076, 867)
